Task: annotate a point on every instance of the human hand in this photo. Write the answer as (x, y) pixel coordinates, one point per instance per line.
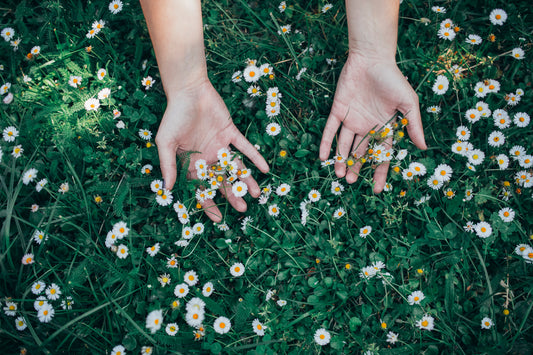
(197, 120)
(369, 93)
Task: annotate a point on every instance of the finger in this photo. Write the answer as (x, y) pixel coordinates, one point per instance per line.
(343, 149)
(380, 177)
(411, 111)
(332, 125)
(237, 202)
(167, 161)
(211, 210)
(253, 187)
(245, 147)
(360, 146)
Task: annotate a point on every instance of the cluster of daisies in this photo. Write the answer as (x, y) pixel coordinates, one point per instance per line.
(525, 251)
(252, 75)
(119, 231)
(4, 90)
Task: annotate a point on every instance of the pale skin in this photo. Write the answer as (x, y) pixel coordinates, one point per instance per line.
(370, 90)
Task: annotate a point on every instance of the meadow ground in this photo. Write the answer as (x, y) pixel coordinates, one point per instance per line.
(94, 258)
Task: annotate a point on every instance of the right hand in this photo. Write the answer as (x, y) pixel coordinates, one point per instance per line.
(197, 120)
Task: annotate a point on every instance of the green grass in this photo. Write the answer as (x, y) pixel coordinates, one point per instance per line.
(314, 267)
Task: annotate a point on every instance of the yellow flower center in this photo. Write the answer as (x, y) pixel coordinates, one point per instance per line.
(425, 323)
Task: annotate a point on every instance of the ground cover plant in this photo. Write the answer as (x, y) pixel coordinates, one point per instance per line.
(97, 257)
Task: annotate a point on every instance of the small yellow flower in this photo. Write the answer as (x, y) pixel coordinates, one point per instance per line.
(317, 260)
(506, 183)
(283, 153)
(420, 271)
(148, 144)
(98, 199)
(383, 325)
(506, 312)
(348, 266)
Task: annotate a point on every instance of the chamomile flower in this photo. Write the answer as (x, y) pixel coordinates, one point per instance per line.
(473, 39)
(191, 278)
(506, 214)
(472, 115)
(172, 329)
(427, 322)
(20, 323)
(408, 174)
(512, 99)
(39, 236)
(483, 229)
(145, 134)
(222, 325)
(435, 182)
(273, 129)
(237, 269)
(251, 74)
(493, 86)
(36, 50)
(501, 118)
(326, 8)
(496, 139)
(446, 33)
(153, 250)
(521, 119)
(283, 189)
(92, 104)
(207, 289)
(74, 81)
(121, 229)
(154, 320)
(498, 17)
(237, 76)
(156, 185)
(441, 85)
(28, 259)
(115, 6)
(322, 337)
(46, 313)
(392, 337)
(7, 33)
(503, 161)
(181, 290)
(122, 251)
(415, 298)
(38, 287)
(164, 279)
(285, 29)
(258, 327)
(475, 157)
(339, 212)
(101, 73)
(486, 323)
(4, 89)
(239, 189)
(254, 91)
(164, 197)
(92, 33)
(443, 172)
(433, 109)
(273, 210)
(29, 175)
(314, 195)
(418, 168)
(525, 161)
(365, 231)
(282, 6)
(518, 53)
(517, 151)
(336, 188)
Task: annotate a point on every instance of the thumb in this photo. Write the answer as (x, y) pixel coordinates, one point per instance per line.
(167, 162)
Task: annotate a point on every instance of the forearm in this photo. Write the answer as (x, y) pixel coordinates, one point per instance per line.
(176, 31)
(373, 27)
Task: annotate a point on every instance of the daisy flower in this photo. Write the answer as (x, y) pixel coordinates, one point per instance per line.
(191, 278)
(518, 53)
(181, 290)
(282, 6)
(239, 189)
(435, 182)
(339, 212)
(486, 323)
(46, 313)
(438, 9)
(154, 320)
(251, 74)
(326, 8)
(365, 231)
(473, 39)
(17, 151)
(100, 24)
(408, 174)
(237, 76)
(20, 323)
(481, 90)
(496, 139)
(39, 236)
(254, 91)
(418, 168)
(284, 29)
(121, 229)
(92, 32)
(503, 161)
(145, 134)
(281, 303)
(147, 169)
(10, 309)
(446, 33)
(314, 195)
(4, 89)
(101, 73)
(283, 189)
(322, 337)
(36, 50)
(336, 188)
(273, 129)
(164, 197)
(258, 327)
(222, 325)
(172, 329)
(147, 82)
(512, 99)
(237, 269)
(164, 279)
(29, 175)
(273, 210)
(506, 214)
(443, 172)
(525, 161)
(427, 322)
(198, 228)
(92, 104)
(501, 118)
(517, 151)
(415, 298)
(392, 337)
(483, 229)
(104, 94)
(28, 259)
(433, 109)
(115, 6)
(38, 287)
(441, 85)
(74, 81)
(153, 250)
(521, 119)
(122, 251)
(498, 17)
(207, 289)
(7, 33)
